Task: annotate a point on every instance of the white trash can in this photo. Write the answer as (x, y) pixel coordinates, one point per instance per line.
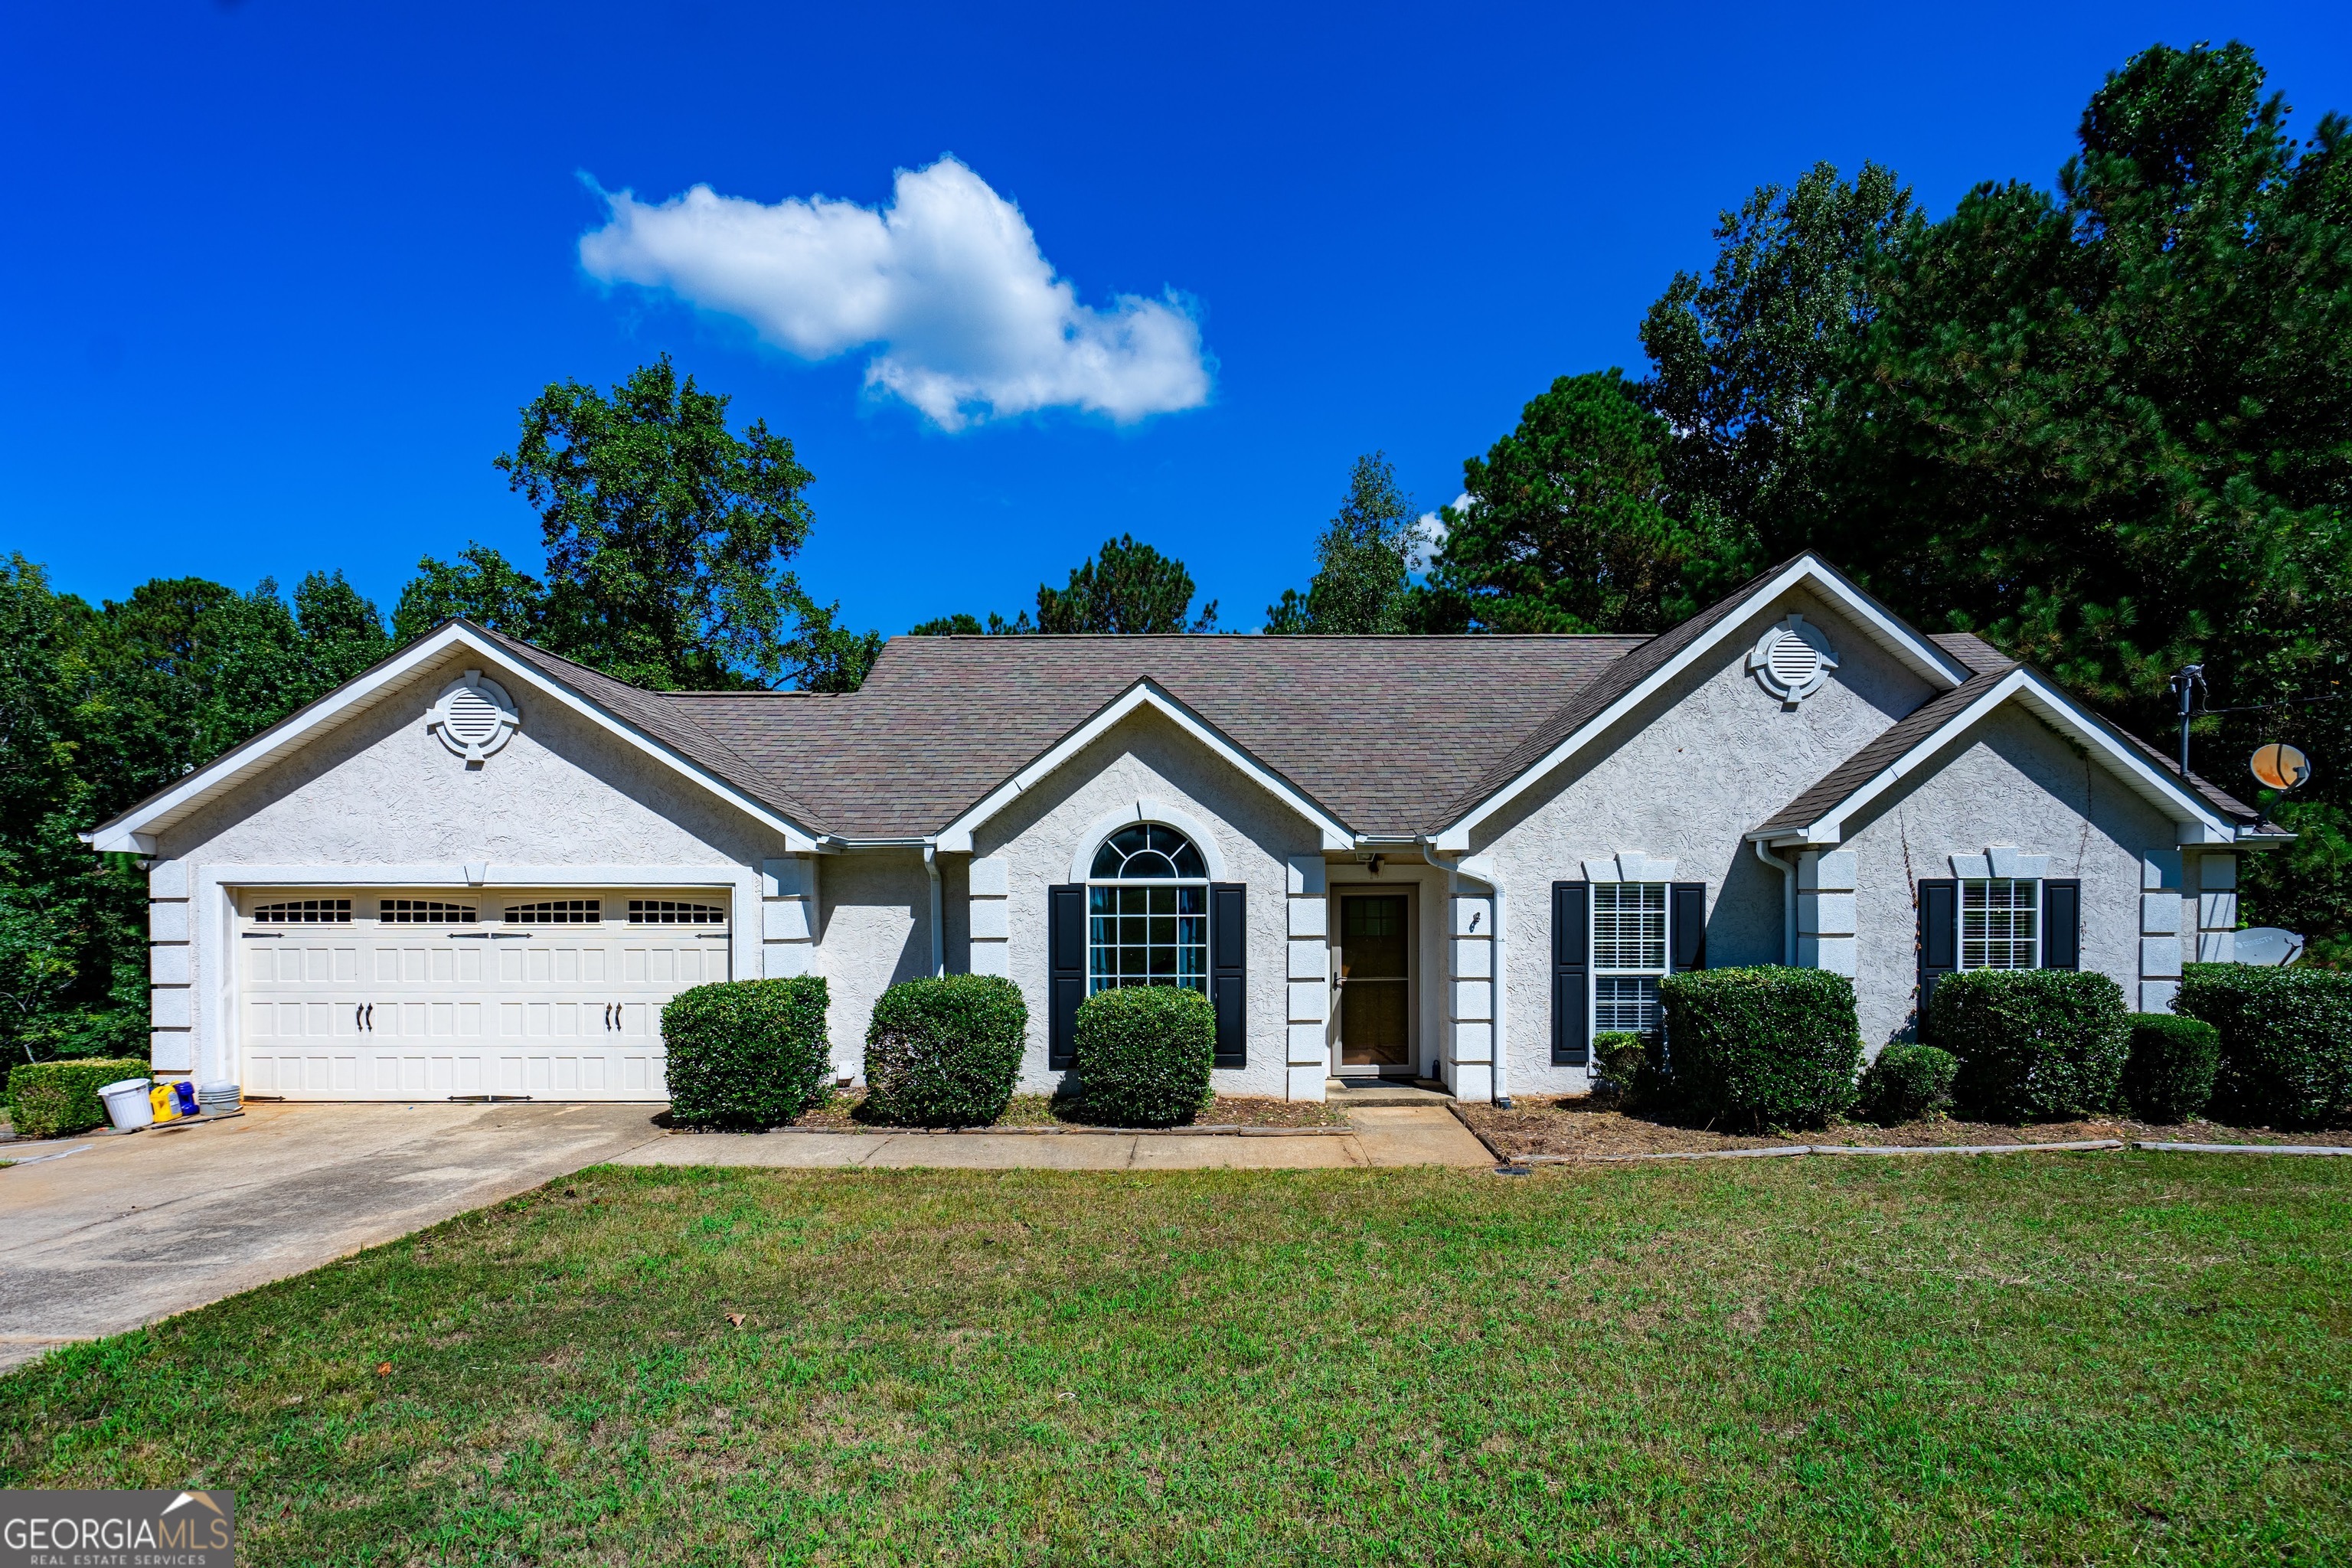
(127, 1104)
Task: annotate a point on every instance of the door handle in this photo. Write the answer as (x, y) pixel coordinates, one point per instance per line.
(371, 1018)
(608, 1018)
(359, 1017)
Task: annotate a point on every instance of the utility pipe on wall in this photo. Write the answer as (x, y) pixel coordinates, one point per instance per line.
(939, 934)
(1787, 901)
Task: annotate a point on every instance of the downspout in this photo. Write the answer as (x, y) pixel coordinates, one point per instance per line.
(1787, 901)
(938, 934)
(1453, 875)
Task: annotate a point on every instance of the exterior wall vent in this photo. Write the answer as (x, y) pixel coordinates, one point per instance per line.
(474, 717)
(1792, 660)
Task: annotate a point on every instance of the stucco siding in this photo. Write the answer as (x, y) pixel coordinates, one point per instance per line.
(1684, 778)
(1146, 757)
(877, 909)
(2014, 782)
(380, 790)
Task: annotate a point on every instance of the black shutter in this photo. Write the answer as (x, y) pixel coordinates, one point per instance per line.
(1066, 979)
(1229, 969)
(2062, 925)
(1686, 927)
(1571, 1041)
(1939, 939)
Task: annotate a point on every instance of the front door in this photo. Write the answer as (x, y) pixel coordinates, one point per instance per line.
(1375, 985)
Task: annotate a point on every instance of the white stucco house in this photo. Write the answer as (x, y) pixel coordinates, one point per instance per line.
(479, 868)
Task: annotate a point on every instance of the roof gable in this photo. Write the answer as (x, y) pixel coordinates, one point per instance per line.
(642, 720)
(1642, 672)
(1820, 815)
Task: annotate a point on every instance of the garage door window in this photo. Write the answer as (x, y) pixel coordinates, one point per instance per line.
(424, 912)
(557, 912)
(305, 911)
(673, 912)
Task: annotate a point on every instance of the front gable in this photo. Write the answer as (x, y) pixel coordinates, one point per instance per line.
(406, 691)
(1671, 667)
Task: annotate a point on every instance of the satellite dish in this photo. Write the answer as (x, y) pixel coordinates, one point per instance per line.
(2268, 945)
(2280, 766)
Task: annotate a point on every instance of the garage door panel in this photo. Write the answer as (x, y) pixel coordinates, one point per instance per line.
(356, 1004)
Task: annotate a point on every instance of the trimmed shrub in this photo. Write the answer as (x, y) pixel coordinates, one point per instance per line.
(747, 1053)
(944, 1052)
(1143, 1054)
(2035, 1044)
(1622, 1058)
(2169, 1076)
(2286, 1041)
(1908, 1083)
(58, 1099)
(1767, 1046)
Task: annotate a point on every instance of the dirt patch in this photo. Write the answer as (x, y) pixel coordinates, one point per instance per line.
(1583, 1126)
(847, 1112)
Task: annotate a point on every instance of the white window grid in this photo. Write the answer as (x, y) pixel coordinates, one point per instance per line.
(2000, 923)
(557, 912)
(1628, 923)
(1147, 929)
(424, 912)
(305, 911)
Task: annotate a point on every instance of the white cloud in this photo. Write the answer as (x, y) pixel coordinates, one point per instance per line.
(1429, 537)
(946, 283)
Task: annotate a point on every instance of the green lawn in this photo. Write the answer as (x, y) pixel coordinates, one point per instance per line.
(2048, 1359)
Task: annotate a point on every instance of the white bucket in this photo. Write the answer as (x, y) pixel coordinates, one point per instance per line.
(127, 1105)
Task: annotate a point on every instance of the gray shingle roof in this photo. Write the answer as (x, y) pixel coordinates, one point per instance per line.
(1381, 730)
(1883, 749)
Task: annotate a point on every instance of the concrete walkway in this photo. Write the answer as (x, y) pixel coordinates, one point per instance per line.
(128, 1229)
(1376, 1135)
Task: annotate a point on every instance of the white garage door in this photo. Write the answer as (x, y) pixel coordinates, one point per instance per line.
(420, 994)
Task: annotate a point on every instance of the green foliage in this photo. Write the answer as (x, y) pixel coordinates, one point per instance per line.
(2286, 1041)
(2169, 1076)
(1632, 1069)
(1765, 1047)
(668, 535)
(1908, 1083)
(99, 708)
(2035, 1044)
(945, 1052)
(1743, 358)
(479, 586)
(1569, 527)
(58, 1099)
(828, 656)
(1361, 561)
(1124, 587)
(1144, 1054)
(747, 1053)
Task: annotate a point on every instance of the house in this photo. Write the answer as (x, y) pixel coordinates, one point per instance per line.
(479, 868)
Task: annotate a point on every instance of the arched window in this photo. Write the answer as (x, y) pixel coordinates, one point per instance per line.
(1148, 911)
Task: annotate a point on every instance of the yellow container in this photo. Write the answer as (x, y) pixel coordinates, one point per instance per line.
(166, 1108)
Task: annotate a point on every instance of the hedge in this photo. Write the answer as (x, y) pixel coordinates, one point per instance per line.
(2286, 1041)
(1908, 1083)
(1142, 1054)
(2170, 1078)
(747, 1053)
(58, 1099)
(1766, 1047)
(944, 1052)
(2035, 1044)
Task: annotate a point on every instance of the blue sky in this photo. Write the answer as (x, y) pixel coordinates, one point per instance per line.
(280, 274)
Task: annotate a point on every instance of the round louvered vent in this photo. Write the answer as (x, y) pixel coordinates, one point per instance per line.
(1793, 663)
(473, 716)
(1791, 660)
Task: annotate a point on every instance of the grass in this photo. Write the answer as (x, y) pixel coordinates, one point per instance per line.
(847, 1109)
(2019, 1360)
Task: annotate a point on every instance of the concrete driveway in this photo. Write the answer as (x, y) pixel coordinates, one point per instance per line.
(130, 1229)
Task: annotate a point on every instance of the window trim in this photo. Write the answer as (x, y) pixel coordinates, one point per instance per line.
(2031, 907)
(1595, 971)
(1202, 981)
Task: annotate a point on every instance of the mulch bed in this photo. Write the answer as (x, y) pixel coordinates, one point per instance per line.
(845, 1112)
(1581, 1125)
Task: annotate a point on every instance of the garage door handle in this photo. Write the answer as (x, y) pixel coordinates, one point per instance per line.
(608, 1016)
(371, 1018)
